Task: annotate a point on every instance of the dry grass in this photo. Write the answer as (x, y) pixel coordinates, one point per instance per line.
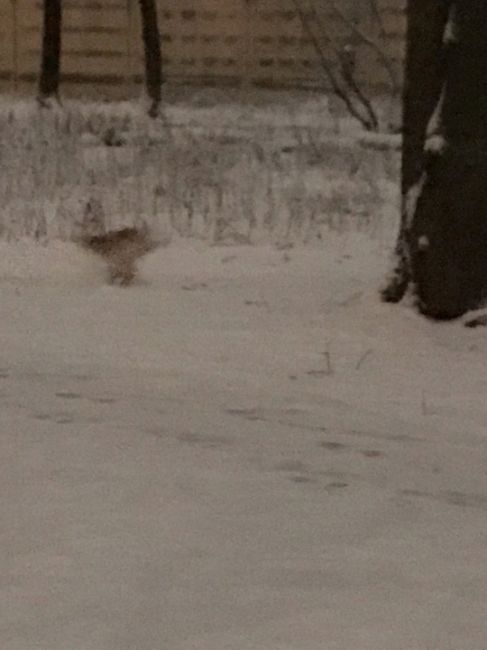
(280, 171)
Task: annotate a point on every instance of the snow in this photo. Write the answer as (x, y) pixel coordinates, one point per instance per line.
(450, 33)
(244, 450)
(436, 141)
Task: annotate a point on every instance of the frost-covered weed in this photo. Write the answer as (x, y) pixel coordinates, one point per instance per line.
(235, 174)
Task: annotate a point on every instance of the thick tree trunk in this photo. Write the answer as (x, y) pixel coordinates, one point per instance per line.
(443, 240)
(424, 69)
(51, 51)
(152, 54)
(448, 240)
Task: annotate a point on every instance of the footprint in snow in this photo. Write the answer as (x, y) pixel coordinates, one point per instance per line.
(66, 394)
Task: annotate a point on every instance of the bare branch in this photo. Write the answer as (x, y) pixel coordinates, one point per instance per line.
(375, 12)
(326, 67)
(365, 38)
(348, 75)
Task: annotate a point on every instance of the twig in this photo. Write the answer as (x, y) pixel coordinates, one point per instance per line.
(347, 73)
(375, 11)
(371, 43)
(339, 92)
(363, 358)
(329, 367)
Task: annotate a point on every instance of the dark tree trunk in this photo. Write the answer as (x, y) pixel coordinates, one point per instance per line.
(424, 69)
(450, 273)
(51, 50)
(152, 53)
(445, 232)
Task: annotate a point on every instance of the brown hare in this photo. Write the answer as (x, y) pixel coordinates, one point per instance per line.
(121, 249)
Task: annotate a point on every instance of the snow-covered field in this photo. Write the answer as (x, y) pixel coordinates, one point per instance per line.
(244, 450)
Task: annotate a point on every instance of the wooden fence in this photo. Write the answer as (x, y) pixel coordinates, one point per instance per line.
(259, 42)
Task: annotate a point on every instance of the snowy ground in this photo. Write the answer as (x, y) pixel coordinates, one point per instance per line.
(245, 450)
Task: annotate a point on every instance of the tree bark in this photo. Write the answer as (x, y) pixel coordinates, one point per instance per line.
(449, 229)
(51, 51)
(444, 176)
(424, 70)
(152, 54)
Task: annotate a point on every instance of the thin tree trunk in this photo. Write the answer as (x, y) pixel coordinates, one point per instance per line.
(51, 51)
(152, 54)
(423, 80)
